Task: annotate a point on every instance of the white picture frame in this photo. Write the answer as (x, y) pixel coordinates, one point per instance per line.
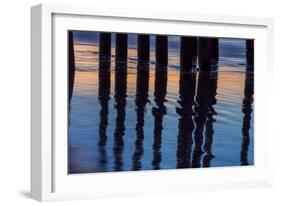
(49, 178)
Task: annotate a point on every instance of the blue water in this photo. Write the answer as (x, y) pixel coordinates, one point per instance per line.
(149, 118)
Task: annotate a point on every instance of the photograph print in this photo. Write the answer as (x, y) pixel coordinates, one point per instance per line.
(152, 102)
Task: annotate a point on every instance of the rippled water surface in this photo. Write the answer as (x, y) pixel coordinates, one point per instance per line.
(156, 118)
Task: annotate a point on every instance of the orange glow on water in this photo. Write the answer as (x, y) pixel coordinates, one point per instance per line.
(230, 79)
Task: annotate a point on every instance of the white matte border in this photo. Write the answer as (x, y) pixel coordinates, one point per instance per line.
(56, 184)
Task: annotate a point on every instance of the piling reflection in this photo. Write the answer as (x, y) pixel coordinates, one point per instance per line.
(247, 111)
(187, 85)
(158, 112)
(104, 97)
(140, 101)
(120, 105)
(202, 111)
(209, 130)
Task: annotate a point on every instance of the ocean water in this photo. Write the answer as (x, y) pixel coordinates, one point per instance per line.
(145, 118)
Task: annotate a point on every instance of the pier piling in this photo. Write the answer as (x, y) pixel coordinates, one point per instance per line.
(204, 55)
(162, 50)
(250, 54)
(215, 51)
(105, 46)
(188, 50)
(195, 47)
(71, 64)
(208, 53)
(143, 48)
(121, 47)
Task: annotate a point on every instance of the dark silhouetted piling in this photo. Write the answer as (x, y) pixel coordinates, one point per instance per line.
(121, 47)
(188, 50)
(104, 62)
(215, 51)
(143, 48)
(71, 64)
(250, 54)
(161, 50)
(105, 46)
(205, 54)
(195, 50)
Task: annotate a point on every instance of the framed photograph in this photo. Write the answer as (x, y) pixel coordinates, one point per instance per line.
(139, 102)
